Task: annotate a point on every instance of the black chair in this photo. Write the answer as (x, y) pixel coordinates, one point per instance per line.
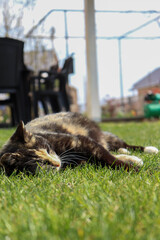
(68, 67)
(42, 90)
(49, 87)
(13, 79)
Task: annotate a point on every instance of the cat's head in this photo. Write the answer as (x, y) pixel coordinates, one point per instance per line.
(25, 152)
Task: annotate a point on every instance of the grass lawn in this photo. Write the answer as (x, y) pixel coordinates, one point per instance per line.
(86, 203)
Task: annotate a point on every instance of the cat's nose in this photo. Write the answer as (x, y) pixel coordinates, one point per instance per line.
(55, 160)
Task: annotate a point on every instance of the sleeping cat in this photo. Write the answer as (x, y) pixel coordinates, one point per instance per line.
(57, 140)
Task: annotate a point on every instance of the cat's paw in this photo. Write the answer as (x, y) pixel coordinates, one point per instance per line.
(133, 160)
(123, 151)
(151, 149)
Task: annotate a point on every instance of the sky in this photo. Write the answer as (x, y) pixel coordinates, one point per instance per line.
(139, 57)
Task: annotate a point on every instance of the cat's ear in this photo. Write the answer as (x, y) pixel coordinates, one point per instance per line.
(21, 134)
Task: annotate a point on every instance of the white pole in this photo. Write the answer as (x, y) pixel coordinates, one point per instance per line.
(93, 104)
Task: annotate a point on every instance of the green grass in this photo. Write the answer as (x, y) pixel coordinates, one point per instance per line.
(89, 202)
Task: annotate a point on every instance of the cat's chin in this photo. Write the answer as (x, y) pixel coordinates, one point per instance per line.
(48, 168)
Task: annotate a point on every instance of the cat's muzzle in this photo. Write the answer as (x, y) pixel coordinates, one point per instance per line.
(49, 160)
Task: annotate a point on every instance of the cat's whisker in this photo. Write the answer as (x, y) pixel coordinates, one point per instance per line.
(72, 157)
(75, 154)
(70, 162)
(66, 151)
(79, 157)
(68, 159)
(75, 158)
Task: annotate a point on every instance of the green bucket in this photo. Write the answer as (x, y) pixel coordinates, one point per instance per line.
(152, 110)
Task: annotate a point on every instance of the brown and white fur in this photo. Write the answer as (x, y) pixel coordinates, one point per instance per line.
(57, 140)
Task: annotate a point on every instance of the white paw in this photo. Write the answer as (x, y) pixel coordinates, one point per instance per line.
(130, 159)
(123, 151)
(151, 149)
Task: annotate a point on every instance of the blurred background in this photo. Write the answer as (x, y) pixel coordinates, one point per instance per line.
(127, 41)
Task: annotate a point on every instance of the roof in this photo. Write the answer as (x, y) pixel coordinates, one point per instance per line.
(150, 80)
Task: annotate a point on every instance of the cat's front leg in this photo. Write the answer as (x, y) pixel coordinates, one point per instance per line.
(94, 152)
(129, 159)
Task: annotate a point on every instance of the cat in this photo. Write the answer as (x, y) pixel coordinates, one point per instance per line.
(57, 140)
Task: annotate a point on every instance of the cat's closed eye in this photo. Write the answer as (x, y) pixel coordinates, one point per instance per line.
(47, 147)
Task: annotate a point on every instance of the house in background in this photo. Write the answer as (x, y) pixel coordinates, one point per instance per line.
(150, 82)
(133, 105)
